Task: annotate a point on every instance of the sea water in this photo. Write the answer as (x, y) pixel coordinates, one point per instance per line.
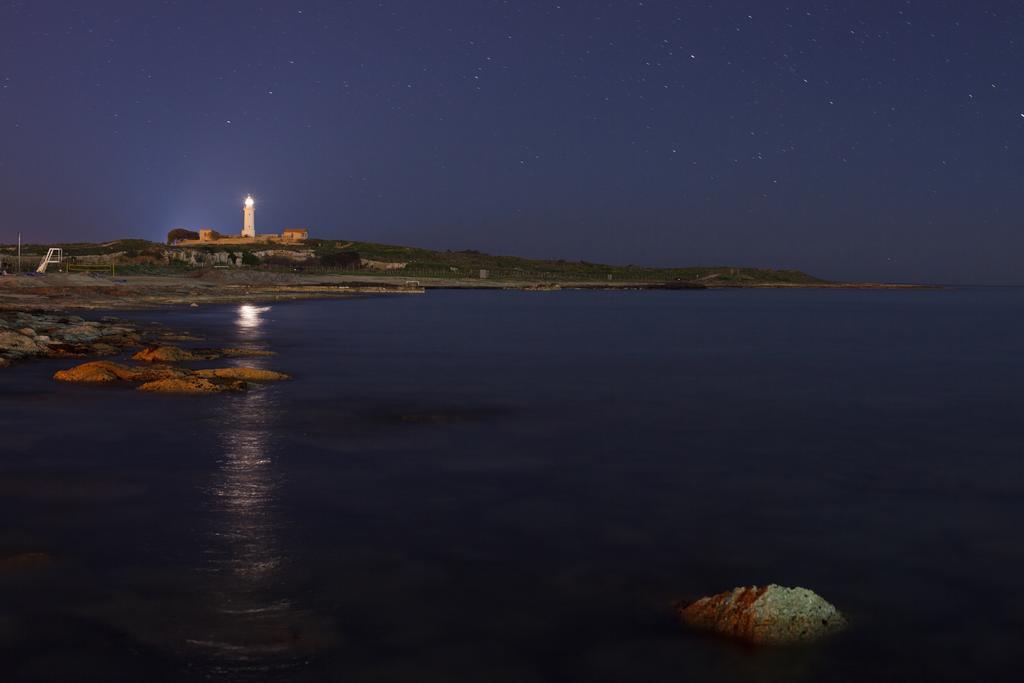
(516, 486)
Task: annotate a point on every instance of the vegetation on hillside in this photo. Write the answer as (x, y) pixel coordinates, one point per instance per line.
(347, 255)
(130, 247)
(178, 234)
(469, 263)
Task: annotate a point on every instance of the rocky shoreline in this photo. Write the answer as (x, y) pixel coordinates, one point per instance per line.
(25, 336)
(60, 292)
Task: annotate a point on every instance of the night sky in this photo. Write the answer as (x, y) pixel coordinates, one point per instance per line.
(867, 139)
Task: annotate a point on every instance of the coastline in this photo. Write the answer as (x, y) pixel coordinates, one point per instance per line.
(37, 320)
(61, 292)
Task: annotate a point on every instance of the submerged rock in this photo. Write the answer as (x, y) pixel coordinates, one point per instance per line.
(170, 354)
(175, 354)
(249, 374)
(24, 561)
(173, 336)
(193, 384)
(767, 615)
(245, 353)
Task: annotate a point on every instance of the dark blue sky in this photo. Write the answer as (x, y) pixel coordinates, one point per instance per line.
(870, 139)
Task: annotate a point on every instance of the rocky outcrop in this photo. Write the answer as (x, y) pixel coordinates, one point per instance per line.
(36, 335)
(193, 384)
(174, 354)
(17, 344)
(201, 257)
(247, 374)
(168, 379)
(286, 255)
(204, 254)
(91, 373)
(101, 371)
(170, 354)
(765, 615)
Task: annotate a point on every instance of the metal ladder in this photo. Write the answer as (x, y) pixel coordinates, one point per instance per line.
(54, 255)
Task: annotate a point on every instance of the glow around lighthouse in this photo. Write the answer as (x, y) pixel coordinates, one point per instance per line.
(248, 235)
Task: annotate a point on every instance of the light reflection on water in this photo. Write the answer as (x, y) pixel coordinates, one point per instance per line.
(250, 320)
(253, 616)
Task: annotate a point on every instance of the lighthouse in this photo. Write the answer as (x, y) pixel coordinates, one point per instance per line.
(249, 218)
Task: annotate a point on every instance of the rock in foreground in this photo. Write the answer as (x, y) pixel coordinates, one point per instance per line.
(193, 384)
(100, 371)
(765, 615)
(40, 335)
(168, 379)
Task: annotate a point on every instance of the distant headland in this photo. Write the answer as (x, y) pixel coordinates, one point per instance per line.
(132, 273)
(205, 265)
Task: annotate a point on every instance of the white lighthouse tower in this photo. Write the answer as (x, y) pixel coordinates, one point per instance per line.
(249, 218)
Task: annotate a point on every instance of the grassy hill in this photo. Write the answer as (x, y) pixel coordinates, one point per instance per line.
(468, 263)
(449, 264)
(131, 247)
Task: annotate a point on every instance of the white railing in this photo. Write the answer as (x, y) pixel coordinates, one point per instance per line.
(54, 255)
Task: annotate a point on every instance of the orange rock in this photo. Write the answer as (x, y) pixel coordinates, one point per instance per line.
(248, 374)
(192, 384)
(107, 371)
(98, 371)
(769, 615)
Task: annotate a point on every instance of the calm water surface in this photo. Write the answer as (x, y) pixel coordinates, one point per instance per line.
(483, 486)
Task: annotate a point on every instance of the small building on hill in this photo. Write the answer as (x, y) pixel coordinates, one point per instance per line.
(295, 235)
